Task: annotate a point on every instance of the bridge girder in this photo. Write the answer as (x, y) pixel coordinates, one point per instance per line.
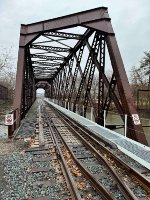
(70, 63)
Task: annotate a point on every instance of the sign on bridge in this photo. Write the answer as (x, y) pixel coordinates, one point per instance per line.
(136, 119)
(9, 119)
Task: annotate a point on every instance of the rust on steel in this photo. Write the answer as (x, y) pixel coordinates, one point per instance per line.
(47, 60)
(3, 92)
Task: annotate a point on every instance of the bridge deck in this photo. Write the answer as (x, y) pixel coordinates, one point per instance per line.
(133, 149)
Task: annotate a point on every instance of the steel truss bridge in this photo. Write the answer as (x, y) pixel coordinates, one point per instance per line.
(65, 56)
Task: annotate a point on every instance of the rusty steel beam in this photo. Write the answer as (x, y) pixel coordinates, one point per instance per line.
(98, 42)
(63, 35)
(59, 87)
(50, 48)
(44, 68)
(100, 68)
(68, 77)
(78, 61)
(48, 80)
(46, 63)
(37, 85)
(88, 70)
(46, 57)
(100, 110)
(81, 42)
(126, 96)
(73, 20)
(97, 18)
(19, 84)
(108, 99)
(40, 69)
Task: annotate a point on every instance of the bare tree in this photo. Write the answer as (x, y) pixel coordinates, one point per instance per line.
(138, 79)
(5, 59)
(139, 76)
(140, 82)
(7, 71)
(145, 63)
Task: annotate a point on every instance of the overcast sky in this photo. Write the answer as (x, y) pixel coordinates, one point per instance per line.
(130, 20)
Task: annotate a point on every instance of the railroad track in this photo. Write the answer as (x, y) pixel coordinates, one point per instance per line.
(53, 180)
(110, 151)
(83, 166)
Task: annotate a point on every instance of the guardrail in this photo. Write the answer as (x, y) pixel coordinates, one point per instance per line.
(115, 121)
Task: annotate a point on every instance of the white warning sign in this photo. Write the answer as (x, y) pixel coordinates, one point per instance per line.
(9, 119)
(136, 119)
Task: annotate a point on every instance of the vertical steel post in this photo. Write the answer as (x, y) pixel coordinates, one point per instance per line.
(100, 113)
(104, 118)
(125, 125)
(77, 108)
(136, 131)
(91, 113)
(65, 104)
(20, 77)
(83, 114)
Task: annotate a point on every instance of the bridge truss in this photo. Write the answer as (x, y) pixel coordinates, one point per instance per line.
(67, 57)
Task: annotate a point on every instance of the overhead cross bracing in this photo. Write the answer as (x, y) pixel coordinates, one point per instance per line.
(47, 61)
(70, 55)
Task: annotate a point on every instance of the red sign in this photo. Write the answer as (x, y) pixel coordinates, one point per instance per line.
(9, 119)
(136, 119)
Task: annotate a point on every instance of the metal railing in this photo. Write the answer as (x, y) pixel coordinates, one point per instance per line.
(120, 124)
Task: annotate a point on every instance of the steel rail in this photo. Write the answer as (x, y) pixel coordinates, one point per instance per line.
(125, 190)
(100, 189)
(130, 170)
(74, 190)
(68, 178)
(128, 194)
(93, 137)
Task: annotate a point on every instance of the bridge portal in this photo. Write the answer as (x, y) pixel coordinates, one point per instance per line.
(65, 56)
